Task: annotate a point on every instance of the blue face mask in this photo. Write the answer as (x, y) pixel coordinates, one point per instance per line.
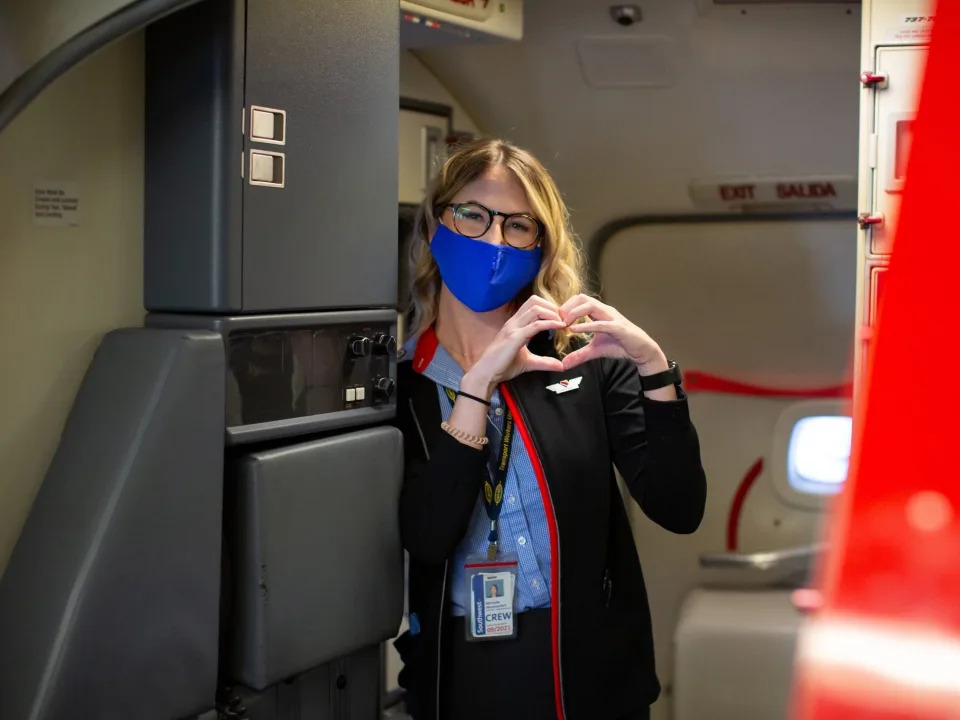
(481, 275)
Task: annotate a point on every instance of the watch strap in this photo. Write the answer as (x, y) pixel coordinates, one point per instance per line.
(670, 376)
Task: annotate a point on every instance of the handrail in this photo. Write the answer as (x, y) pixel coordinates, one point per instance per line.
(796, 559)
(72, 50)
(602, 236)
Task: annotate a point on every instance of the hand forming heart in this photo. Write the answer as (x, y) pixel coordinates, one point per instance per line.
(614, 336)
(508, 355)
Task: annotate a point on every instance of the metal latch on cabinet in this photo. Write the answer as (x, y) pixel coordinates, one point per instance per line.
(867, 220)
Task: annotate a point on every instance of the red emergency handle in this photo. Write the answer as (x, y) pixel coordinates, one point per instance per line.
(867, 220)
(870, 78)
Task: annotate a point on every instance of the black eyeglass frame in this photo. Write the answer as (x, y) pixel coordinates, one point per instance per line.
(541, 228)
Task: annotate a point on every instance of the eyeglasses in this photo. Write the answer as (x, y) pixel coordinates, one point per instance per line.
(520, 230)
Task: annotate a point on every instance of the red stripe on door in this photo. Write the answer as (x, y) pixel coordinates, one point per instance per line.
(736, 507)
(697, 381)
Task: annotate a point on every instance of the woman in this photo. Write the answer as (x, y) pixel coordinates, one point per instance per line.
(512, 425)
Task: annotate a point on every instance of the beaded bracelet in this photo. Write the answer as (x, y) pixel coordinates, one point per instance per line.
(461, 435)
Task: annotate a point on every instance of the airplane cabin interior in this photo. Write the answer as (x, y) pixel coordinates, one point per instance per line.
(204, 303)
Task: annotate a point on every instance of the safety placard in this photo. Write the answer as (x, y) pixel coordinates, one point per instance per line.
(56, 203)
(912, 29)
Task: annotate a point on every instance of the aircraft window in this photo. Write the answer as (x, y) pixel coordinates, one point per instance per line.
(810, 452)
(819, 454)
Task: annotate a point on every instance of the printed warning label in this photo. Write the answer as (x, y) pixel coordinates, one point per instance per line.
(912, 29)
(56, 204)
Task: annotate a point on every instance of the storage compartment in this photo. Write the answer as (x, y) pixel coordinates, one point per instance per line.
(299, 373)
(345, 689)
(271, 140)
(757, 627)
(896, 103)
(315, 559)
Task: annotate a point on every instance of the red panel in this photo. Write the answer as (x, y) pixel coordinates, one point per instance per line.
(885, 642)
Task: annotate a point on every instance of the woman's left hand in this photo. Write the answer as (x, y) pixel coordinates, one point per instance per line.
(614, 336)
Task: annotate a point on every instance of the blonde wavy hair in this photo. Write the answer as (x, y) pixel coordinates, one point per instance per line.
(561, 268)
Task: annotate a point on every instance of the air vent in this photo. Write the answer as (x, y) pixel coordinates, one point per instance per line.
(627, 62)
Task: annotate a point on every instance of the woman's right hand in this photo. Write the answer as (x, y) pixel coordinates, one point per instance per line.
(508, 356)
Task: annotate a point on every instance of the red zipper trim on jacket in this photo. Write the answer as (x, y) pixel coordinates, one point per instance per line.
(422, 357)
(554, 544)
(426, 349)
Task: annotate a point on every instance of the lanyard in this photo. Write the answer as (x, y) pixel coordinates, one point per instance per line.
(493, 486)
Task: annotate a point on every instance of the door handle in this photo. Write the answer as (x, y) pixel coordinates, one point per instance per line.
(872, 78)
(867, 220)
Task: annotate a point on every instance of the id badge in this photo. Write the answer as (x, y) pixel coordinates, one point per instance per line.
(491, 587)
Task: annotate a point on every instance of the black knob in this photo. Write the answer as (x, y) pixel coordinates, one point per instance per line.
(359, 346)
(383, 388)
(384, 344)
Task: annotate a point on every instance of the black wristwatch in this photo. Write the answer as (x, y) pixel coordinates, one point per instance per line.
(670, 376)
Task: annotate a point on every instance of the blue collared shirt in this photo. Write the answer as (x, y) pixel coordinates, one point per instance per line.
(522, 524)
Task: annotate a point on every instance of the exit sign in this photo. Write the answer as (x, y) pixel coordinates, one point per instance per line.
(781, 193)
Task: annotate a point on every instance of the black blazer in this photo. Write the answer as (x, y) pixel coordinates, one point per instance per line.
(602, 636)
